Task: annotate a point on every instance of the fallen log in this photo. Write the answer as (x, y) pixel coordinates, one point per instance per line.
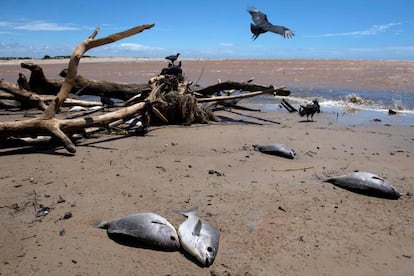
(82, 86)
(45, 98)
(244, 86)
(123, 91)
(26, 98)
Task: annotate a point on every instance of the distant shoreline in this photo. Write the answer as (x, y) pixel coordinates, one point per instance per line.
(18, 60)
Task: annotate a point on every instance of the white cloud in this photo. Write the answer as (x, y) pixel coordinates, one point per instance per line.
(373, 30)
(384, 49)
(136, 47)
(44, 26)
(5, 24)
(226, 44)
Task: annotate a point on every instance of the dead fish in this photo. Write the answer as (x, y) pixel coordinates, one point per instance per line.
(143, 229)
(365, 183)
(77, 108)
(95, 108)
(276, 149)
(198, 238)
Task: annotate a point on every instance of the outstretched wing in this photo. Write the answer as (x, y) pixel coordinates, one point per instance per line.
(260, 19)
(283, 31)
(261, 22)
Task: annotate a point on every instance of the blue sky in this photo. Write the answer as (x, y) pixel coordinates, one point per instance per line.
(355, 29)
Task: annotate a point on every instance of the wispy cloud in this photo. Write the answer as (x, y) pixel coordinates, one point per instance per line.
(128, 49)
(5, 24)
(384, 49)
(226, 44)
(135, 47)
(373, 30)
(45, 26)
(37, 25)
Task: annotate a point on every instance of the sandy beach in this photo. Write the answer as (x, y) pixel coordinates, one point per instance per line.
(275, 216)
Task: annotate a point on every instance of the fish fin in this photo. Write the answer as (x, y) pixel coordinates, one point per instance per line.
(103, 224)
(377, 177)
(157, 222)
(187, 213)
(197, 228)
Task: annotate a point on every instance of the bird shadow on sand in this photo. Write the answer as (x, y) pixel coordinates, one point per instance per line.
(307, 121)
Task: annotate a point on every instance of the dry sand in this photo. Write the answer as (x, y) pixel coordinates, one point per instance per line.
(275, 215)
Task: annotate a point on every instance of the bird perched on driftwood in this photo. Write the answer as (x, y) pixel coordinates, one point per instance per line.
(262, 25)
(172, 58)
(309, 109)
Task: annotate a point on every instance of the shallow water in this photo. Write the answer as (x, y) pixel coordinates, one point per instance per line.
(348, 107)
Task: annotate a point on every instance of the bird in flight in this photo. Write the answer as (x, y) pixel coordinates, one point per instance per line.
(262, 25)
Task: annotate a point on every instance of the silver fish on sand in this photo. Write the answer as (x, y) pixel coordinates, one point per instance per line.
(276, 149)
(365, 183)
(145, 229)
(198, 238)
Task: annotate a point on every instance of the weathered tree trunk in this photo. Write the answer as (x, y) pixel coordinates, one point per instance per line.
(244, 86)
(26, 98)
(240, 96)
(39, 83)
(123, 91)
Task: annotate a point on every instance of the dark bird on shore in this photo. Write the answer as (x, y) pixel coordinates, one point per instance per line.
(262, 25)
(309, 109)
(106, 101)
(172, 58)
(22, 82)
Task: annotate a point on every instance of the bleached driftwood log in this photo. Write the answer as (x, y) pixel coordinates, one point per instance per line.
(33, 100)
(218, 99)
(48, 123)
(244, 86)
(25, 97)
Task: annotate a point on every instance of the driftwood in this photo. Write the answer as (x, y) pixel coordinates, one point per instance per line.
(82, 86)
(245, 86)
(38, 82)
(25, 97)
(123, 91)
(219, 99)
(30, 99)
(47, 123)
(288, 106)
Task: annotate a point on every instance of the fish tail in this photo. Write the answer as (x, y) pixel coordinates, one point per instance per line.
(103, 224)
(189, 212)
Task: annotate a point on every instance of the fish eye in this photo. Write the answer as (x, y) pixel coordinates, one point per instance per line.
(172, 238)
(209, 249)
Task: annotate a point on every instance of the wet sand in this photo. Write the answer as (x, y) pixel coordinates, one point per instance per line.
(275, 215)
